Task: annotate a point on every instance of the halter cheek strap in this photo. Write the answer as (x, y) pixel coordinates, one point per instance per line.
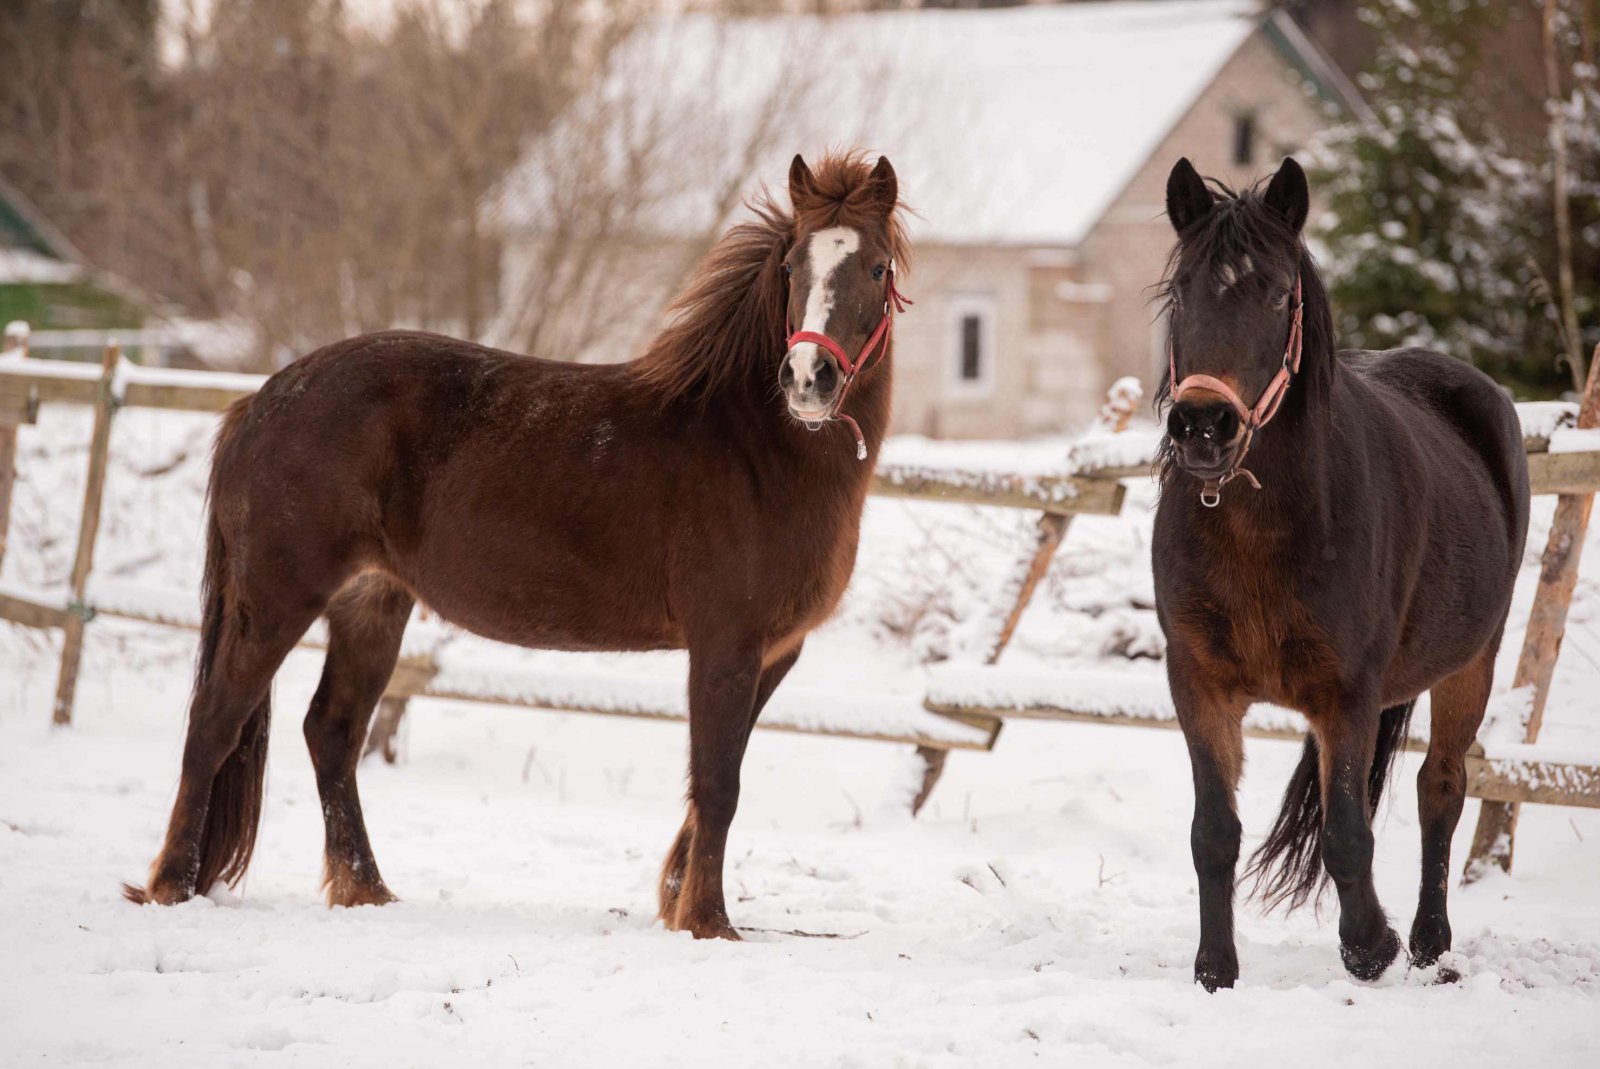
(1252, 419)
(878, 344)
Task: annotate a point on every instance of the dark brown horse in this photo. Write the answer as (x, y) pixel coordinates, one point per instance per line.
(681, 501)
(1374, 562)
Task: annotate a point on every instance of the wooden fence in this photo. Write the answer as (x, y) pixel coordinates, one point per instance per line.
(1505, 777)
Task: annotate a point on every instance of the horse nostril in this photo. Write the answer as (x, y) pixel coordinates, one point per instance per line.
(827, 377)
(1213, 423)
(786, 375)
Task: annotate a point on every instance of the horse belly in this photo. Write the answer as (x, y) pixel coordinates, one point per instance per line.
(527, 594)
(556, 619)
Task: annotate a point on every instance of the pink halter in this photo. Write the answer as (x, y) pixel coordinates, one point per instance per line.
(893, 301)
(1252, 419)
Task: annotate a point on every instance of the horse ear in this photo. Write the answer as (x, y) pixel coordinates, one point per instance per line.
(802, 186)
(1289, 195)
(1188, 199)
(883, 187)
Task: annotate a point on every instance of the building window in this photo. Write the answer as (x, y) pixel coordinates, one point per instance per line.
(972, 355)
(1244, 139)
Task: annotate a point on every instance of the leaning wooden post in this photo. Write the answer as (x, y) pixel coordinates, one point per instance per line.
(1047, 538)
(1547, 622)
(1121, 401)
(78, 611)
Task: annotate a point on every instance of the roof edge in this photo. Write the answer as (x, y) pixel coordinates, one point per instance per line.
(54, 241)
(1331, 83)
(1303, 54)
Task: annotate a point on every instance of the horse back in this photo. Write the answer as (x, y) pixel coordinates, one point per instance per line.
(1461, 419)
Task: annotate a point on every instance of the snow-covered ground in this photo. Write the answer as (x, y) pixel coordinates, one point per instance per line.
(1042, 908)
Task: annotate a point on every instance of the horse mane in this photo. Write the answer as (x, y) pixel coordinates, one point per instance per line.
(1240, 224)
(732, 309)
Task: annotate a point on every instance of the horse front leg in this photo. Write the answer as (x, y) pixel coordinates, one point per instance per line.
(1347, 743)
(723, 682)
(1212, 727)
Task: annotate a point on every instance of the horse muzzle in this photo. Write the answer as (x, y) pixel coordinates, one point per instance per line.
(811, 384)
(1206, 437)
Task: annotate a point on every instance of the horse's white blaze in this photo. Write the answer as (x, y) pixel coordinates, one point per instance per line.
(826, 251)
(1231, 276)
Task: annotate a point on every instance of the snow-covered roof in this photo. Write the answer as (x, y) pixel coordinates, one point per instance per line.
(27, 267)
(1007, 126)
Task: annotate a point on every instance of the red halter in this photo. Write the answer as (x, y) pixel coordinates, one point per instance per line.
(1252, 419)
(893, 301)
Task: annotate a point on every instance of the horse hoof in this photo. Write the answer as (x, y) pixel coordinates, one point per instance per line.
(352, 895)
(1215, 971)
(160, 893)
(1368, 965)
(722, 930)
(1429, 940)
(716, 927)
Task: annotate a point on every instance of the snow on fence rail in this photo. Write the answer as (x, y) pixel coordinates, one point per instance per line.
(965, 705)
(1497, 769)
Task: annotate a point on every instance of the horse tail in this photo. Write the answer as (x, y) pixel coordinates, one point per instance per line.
(1287, 867)
(234, 810)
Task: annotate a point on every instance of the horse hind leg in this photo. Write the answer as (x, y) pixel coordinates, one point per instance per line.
(366, 621)
(1458, 706)
(211, 834)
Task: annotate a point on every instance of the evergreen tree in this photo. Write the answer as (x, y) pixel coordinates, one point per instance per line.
(1423, 241)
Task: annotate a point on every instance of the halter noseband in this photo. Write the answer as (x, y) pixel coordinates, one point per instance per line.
(893, 301)
(1252, 419)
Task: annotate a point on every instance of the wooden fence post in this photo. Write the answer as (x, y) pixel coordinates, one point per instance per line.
(14, 344)
(78, 611)
(1547, 622)
(411, 677)
(8, 478)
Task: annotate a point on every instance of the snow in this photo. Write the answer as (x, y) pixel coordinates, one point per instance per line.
(1053, 108)
(1141, 696)
(53, 369)
(1042, 908)
(25, 267)
(1573, 440)
(653, 686)
(196, 379)
(1541, 419)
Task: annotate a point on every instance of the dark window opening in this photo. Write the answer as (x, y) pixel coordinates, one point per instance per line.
(1244, 139)
(971, 348)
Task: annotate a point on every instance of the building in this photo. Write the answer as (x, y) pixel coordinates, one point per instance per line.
(1034, 143)
(45, 283)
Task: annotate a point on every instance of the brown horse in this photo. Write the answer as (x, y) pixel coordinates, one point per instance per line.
(681, 501)
(1372, 560)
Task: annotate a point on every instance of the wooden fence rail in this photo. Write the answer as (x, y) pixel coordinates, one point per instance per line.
(115, 384)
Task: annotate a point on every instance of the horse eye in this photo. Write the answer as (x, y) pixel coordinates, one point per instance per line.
(879, 271)
(787, 270)
(1279, 296)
